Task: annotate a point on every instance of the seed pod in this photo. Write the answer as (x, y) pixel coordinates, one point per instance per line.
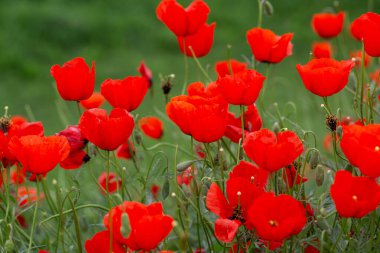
(125, 227)
(181, 167)
(320, 175)
(314, 159)
(276, 127)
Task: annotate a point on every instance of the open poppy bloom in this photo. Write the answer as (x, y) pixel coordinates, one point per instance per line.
(201, 114)
(328, 25)
(75, 81)
(181, 21)
(291, 177)
(126, 150)
(139, 226)
(361, 146)
(367, 28)
(151, 126)
(245, 183)
(322, 50)
(269, 47)
(252, 122)
(114, 182)
(187, 176)
(241, 88)
(127, 93)
(271, 152)
(354, 196)
(95, 101)
(39, 155)
(276, 218)
(325, 77)
(200, 42)
(146, 72)
(224, 68)
(106, 132)
(100, 243)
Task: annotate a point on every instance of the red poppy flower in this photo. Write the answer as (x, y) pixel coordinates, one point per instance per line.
(146, 72)
(200, 151)
(37, 154)
(246, 182)
(127, 93)
(27, 195)
(187, 176)
(75, 81)
(354, 196)
(328, 25)
(95, 101)
(151, 126)
(272, 152)
(375, 77)
(200, 42)
(181, 21)
(269, 47)
(114, 182)
(155, 189)
(199, 89)
(125, 150)
(18, 119)
(276, 218)
(204, 118)
(138, 218)
(367, 28)
(75, 160)
(357, 55)
(100, 243)
(322, 50)
(361, 145)
(106, 132)
(75, 138)
(18, 175)
(325, 77)
(252, 122)
(242, 88)
(22, 221)
(291, 177)
(224, 68)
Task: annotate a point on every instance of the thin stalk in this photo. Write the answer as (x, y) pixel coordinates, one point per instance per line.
(186, 69)
(200, 65)
(34, 217)
(77, 227)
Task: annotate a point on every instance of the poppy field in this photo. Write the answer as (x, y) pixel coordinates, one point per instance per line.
(219, 147)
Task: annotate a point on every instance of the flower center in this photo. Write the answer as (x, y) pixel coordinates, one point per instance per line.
(273, 223)
(354, 197)
(237, 214)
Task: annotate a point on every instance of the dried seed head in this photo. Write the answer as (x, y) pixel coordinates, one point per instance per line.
(331, 122)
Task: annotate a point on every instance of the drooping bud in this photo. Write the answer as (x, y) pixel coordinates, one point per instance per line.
(314, 159)
(276, 127)
(125, 228)
(268, 8)
(320, 175)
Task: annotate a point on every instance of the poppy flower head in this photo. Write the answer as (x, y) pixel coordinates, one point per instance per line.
(106, 132)
(75, 80)
(39, 155)
(27, 195)
(292, 177)
(114, 182)
(100, 243)
(354, 196)
(268, 47)
(200, 42)
(151, 126)
(223, 68)
(181, 21)
(125, 150)
(75, 160)
(145, 72)
(322, 50)
(186, 177)
(361, 146)
(74, 136)
(127, 93)
(325, 77)
(242, 88)
(272, 152)
(328, 25)
(95, 101)
(276, 218)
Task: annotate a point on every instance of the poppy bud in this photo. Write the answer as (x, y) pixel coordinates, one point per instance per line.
(138, 138)
(9, 245)
(181, 167)
(268, 8)
(323, 224)
(320, 175)
(314, 159)
(276, 127)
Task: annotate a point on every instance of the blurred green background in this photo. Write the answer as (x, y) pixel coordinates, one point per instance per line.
(118, 34)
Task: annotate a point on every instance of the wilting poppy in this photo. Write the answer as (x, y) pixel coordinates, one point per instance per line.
(75, 81)
(126, 150)
(328, 25)
(127, 93)
(95, 101)
(354, 196)
(246, 182)
(181, 21)
(131, 220)
(361, 146)
(325, 77)
(100, 243)
(114, 182)
(200, 42)
(367, 28)
(272, 152)
(322, 50)
(151, 126)
(106, 132)
(146, 72)
(291, 177)
(269, 47)
(204, 118)
(37, 154)
(276, 218)
(241, 88)
(223, 68)
(357, 55)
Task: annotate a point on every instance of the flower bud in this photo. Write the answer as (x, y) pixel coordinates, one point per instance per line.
(314, 159)
(268, 8)
(276, 127)
(9, 245)
(125, 227)
(320, 175)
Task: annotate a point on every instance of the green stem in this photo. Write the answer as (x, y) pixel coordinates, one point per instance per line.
(260, 16)
(77, 227)
(362, 84)
(34, 217)
(200, 65)
(242, 122)
(186, 70)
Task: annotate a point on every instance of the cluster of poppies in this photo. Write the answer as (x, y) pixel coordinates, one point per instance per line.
(252, 207)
